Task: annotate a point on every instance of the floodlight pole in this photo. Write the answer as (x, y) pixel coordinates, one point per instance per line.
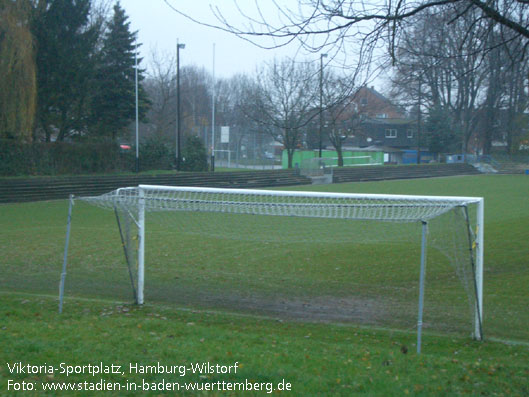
(178, 114)
(137, 123)
(213, 116)
(321, 103)
(419, 122)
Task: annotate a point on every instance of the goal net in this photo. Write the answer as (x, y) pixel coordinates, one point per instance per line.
(319, 165)
(395, 261)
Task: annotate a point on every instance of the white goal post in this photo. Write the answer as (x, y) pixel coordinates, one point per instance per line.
(136, 201)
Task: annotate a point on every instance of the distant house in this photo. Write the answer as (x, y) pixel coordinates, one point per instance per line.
(373, 105)
(384, 125)
(395, 133)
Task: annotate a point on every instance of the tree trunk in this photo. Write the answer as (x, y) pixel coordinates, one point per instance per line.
(488, 132)
(63, 129)
(340, 155)
(290, 154)
(510, 133)
(46, 129)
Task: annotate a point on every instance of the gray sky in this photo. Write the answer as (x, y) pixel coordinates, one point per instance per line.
(159, 27)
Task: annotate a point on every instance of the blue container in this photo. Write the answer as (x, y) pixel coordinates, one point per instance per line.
(526, 172)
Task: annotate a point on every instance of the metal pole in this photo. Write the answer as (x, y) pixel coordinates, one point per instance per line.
(213, 116)
(479, 269)
(419, 124)
(65, 258)
(321, 104)
(472, 244)
(137, 122)
(178, 123)
(421, 285)
(177, 105)
(141, 245)
(127, 259)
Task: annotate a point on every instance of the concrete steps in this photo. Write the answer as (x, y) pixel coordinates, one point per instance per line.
(513, 168)
(376, 173)
(50, 188)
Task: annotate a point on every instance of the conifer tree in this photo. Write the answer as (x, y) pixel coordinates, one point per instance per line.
(66, 44)
(115, 100)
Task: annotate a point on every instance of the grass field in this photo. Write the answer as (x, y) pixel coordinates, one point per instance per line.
(212, 318)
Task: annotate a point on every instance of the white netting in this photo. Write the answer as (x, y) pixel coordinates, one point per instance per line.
(262, 202)
(316, 256)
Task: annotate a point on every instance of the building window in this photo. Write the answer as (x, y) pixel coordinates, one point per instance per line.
(363, 102)
(382, 116)
(391, 133)
(409, 134)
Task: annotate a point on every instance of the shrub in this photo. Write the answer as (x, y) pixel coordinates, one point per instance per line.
(58, 158)
(194, 156)
(155, 154)
(85, 157)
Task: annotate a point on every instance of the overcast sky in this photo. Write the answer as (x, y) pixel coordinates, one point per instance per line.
(159, 27)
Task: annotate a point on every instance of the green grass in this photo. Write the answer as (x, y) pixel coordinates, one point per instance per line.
(322, 359)
(337, 357)
(506, 272)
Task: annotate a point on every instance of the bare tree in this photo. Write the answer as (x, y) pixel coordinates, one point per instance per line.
(160, 86)
(438, 68)
(505, 99)
(195, 86)
(458, 81)
(341, 116)
(515, 101)
(235, 99)
(196, 98)
(325, 24)
(438, 63)
(285, 101)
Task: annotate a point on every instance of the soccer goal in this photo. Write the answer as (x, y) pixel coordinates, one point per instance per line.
(315, 255)
(316, 166)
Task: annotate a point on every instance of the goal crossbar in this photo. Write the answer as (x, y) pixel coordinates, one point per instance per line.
(380, 207)
(293, 193)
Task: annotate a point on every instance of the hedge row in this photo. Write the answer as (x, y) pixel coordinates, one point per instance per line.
(59, 158)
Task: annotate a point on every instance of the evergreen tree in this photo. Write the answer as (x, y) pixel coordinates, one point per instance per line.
(194, 155)
(114, 105)
(440, 135)
(66, 45)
